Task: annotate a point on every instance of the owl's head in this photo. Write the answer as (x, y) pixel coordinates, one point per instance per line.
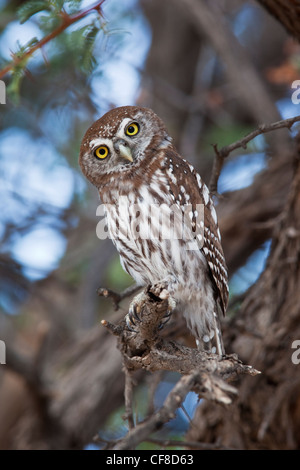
(119, 141)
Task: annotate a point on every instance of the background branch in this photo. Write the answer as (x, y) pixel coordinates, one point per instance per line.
(224, 152)
(208, 19)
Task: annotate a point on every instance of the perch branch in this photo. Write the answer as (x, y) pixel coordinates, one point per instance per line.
(144, 348)
(204, 373)
(222, 154)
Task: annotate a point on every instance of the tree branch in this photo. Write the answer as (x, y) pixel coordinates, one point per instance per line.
(199, 382)
(67, 20)
(208, 20)
(115, 296)
(222, 154)
(143, 348)
(165, 414)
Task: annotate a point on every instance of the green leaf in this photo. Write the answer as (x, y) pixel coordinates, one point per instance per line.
(27, 10)
(13, 89)
(88, 60)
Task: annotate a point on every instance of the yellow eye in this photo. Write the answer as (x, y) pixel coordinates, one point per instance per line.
(132, 129)
(101, 152)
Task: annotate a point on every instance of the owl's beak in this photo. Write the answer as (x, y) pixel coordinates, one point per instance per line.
(123, 149)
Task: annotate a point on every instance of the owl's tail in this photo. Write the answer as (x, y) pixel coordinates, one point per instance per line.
(212, 341)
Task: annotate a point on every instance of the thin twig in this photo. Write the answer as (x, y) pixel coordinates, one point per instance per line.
(186, 414)
(154, 381)
(67, 20)
(128, 394)
(115, 296)
(162, 416)
(222, 154)
(190, 444)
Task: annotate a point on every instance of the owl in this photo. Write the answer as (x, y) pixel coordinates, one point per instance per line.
(160, 216)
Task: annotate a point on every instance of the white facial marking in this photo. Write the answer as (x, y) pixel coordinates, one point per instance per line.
(100, 141)
(121, 131)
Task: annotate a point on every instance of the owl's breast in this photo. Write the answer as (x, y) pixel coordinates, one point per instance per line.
(150, 236)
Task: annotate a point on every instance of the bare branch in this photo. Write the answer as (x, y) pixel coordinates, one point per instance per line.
(165, 414)
(204, 384)
(128, 398)
(208, 20)
(115, 296)
(222, 154)
(143, 348)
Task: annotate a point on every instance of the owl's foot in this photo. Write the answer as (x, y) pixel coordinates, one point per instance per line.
(133, 317)
(162, 291)
(135, 307)
(167, 316)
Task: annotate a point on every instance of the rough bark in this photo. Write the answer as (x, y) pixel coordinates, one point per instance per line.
(287, 12)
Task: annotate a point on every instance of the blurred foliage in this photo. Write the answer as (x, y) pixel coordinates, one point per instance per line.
(70, 50)
(116, 277)
(51, 100)
(224, 135)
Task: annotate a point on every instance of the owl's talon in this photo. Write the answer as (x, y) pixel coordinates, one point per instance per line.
(129, 323)
(132, 317)
(168, 314)
(133, 313)
(163, 323)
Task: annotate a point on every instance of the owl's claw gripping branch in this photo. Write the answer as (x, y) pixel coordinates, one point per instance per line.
(132, 317)
(157, 292)
(144, 348)
(166, 318)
